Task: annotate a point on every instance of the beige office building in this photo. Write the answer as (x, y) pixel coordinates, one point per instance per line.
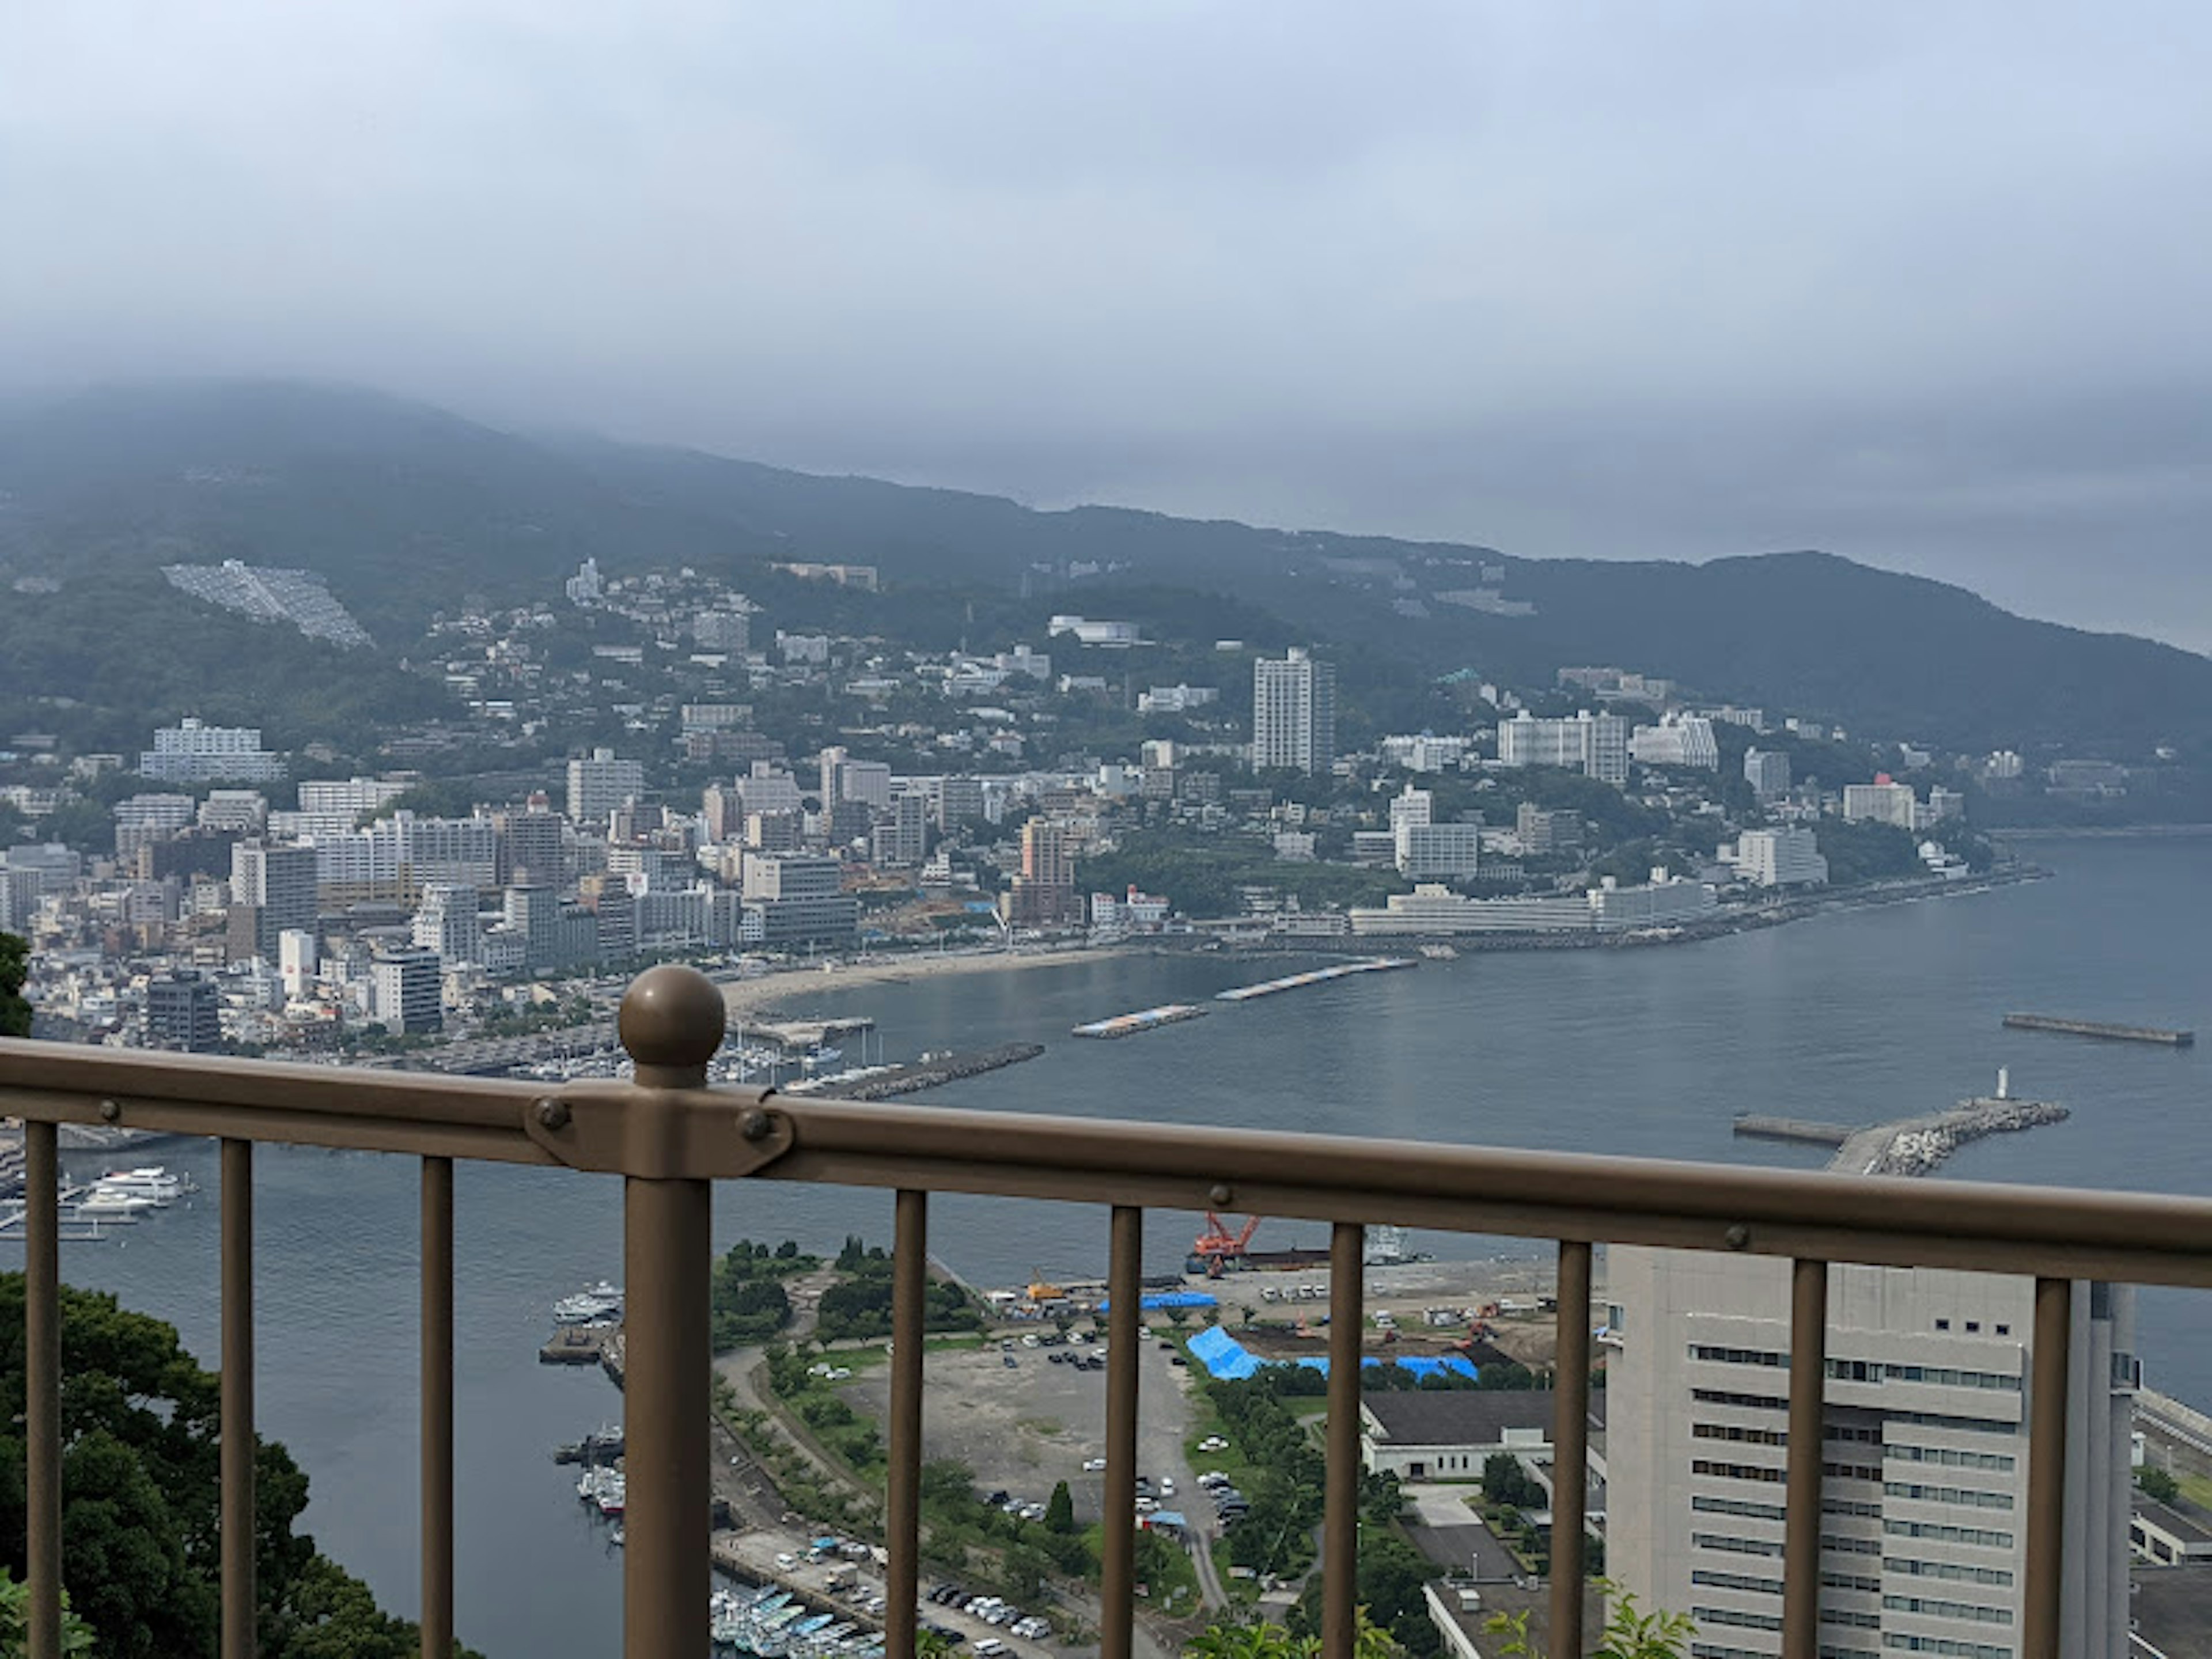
(1924, 1512)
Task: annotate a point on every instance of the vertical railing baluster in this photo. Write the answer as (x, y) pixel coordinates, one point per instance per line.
(903, 1510)
(1571, 1447)
(437, 1447)
(42, 1386)
(1347, 1313)
(2047, 1468)
(1809, 1394)
(239, 1599)
(1125, 1272)
(672, 1021)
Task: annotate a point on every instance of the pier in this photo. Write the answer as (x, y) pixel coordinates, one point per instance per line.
(1752, 1126)
(1144, 1019)
(1919, 1146)
(1317, 976)
(2091, 1027)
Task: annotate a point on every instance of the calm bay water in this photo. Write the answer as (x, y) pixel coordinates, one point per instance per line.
(1854, 1017)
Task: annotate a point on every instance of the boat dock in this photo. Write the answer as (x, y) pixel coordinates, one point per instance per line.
(1752, 1126)
(1317, 976)
(576, 1344)
(1918, 1146)
(1144, 1019)
(2090, 1027)
(800, 1036)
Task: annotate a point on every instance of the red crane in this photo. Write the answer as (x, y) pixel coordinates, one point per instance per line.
(1218, 1247)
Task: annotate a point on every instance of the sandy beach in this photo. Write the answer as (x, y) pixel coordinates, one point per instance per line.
(755, 996)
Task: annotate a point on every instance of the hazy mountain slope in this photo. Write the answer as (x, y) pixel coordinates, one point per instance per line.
(407, 509)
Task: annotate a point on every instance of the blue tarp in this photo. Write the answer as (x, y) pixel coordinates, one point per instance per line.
(1460, 1363)
(1222, 1354)
(1153, 1302)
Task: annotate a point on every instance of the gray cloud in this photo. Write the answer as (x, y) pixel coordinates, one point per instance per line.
(1921, 285)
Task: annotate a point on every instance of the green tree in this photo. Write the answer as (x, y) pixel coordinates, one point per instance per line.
(1060, 1510)
(140, 1510)
(1628, 1634)
(15, 969)
(2158, 1483)
(15, 1621)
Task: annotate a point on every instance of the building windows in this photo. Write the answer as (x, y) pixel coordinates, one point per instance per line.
(1741, 1356)
(1738, 1581)
(1848, 1616)
(1842, 1546)
(1736, 1471)
(1996, 1576)
(1944, 1645)
(1851, 1471)
(1980, 1537)
(1761, 1402)
(1962, 1495)
(1951, 1458)
(1719, 1541)
(1939, 1609)
(1705, 1505)
(1851, 1581)
(1737, 1431)
(1741, 1620)
(1850, 1506)
(1948, 1377)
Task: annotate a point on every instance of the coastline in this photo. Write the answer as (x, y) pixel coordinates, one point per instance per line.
(771, 991)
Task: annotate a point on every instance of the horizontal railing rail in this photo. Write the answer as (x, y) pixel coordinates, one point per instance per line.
(671, 1136)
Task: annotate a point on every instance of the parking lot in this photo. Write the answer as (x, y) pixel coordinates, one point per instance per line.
(1025, 1427)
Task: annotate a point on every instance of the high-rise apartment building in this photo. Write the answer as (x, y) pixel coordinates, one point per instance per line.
(1767, 772)
(1595, 745)
(1882, 801)
(1924, 1502)
(449, 923)
(599, 783)
(526, 846)
(800, 895)
(1294, 713)
(183, 1012)
(1781, 858)
(191, 752)
(1543, 833)
(1677, 740)
(901, 837)
(404, 992)
(277, 884)
(145, 820)
(1043, 894)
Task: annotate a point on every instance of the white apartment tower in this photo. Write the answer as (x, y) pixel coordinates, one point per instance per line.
(1781, 858)
(599, 783)
(1293, 714)
(450, 924)
(1595, 745)
(1924, 1505)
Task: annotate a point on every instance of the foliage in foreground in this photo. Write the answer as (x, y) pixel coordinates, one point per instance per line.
(141, 1507)
(1628, 1634)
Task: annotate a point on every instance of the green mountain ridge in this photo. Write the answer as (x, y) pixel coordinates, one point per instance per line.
(407, 509)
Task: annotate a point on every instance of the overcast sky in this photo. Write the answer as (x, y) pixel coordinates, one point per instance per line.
(1922, 285)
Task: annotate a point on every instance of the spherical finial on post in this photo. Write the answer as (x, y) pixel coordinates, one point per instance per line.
(672, 1021)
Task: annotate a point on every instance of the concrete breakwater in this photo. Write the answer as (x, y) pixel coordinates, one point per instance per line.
(1919, 1146)
(929, 1073)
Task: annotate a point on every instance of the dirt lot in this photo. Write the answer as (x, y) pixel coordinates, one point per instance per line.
(1027, 1426)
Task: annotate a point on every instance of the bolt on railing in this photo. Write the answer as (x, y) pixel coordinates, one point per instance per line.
(670, 1137)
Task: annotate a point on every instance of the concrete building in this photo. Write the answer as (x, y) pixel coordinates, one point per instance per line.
(800, 896)
(1449, 852)
(191, 752)
(1595, 745)
(599, 783)
(1294, 715)
(526, 846)
(1678, 740)
(297, 959)
(403, 991)
(1767, 772)
(1882, 801)
(1781, 858)
(901, 837)
(722, 630)
(278, 884)
(1543, 834)
(1924, 1505)
(1043, 894)
(1448, 1435)
(185, 1013)
(449, 924)
(144, 820)
(1432, 908)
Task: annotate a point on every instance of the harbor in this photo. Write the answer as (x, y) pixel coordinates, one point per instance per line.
(2100, 1029)
(1315, 976)
(1144, 1019)
(932, 1071)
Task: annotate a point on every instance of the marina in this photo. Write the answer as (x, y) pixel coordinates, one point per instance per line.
(1144, 1019)
(2091, 1027)
(1314, 976)
(930, 1071)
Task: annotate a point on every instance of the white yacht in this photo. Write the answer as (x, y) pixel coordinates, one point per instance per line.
(590, 1306)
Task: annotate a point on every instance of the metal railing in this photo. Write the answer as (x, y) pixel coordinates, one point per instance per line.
(670, 1137)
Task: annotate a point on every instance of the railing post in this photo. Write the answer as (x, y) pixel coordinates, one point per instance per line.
(42, 1387)
(1570, 1447)
(437, 1449)
(240, 1606)
(1340, 1533)
(672, 1022)
(1808, 1423)
(2049, 1367)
